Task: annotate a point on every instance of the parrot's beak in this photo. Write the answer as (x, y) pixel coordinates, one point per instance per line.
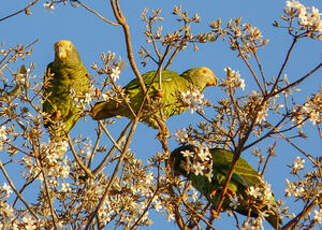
(213, 80)
(61, 52)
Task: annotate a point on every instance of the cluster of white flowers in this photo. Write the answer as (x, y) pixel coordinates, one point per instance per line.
(115, 75)
(194, 100)
(262, 192)
(203, 152)
(49, 7)
(57, 148)
(6, 189)
(198, 168)
(3, 132)
(318, 216)
(252, 224)
(234, 202)
(3, 135)
(181, 136)
(293, 189)
(312, 108)
(297, 165)
(187, 153)
(200, 160)
(233, 79)
(262, 114)
(7, 212)
(157, 204)
(82, 101)
(21, 77)
(309, 18)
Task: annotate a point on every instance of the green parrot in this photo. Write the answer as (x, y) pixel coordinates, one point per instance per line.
(66, 78)
(209, 183)
(171, 83)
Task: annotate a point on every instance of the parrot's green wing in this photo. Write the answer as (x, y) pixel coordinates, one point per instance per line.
(163, 98)
(66, 78)
(244, 176)
(150, 77)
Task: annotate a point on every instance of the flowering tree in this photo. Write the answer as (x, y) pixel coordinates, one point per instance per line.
(80, 185)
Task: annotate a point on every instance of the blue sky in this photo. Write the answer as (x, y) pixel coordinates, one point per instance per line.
(92, 36)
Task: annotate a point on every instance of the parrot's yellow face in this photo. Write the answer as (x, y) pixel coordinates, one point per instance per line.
(63, 48)
(212, 78)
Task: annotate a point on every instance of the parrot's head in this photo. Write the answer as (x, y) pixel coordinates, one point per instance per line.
(66, 52)
(201, 77)
(178, 161)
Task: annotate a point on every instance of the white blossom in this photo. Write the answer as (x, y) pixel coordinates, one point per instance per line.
(194, 196)
(65, 187)
(233, 79)
(3, 132)
(292, 189)
(262, 114)
(193, 99)
(115, 75)
(318, 216)
(307, 17)
(7, 189)
(187, 153)
(203, 152)
(49, 7)
(157, 205)
(297, 164)
(234, 202)
(254, 192)
(149, 178)
(198, 169)
(170, 217)
(181, 135)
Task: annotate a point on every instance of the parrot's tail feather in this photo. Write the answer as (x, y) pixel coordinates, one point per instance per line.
(272, 219)
(104, 109)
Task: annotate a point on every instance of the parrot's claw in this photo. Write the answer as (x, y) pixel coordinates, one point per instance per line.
(229, 193)
(214, 213)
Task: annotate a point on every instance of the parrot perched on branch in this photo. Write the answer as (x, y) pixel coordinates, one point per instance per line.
(171, 84)
(66, 78)
(190, 161)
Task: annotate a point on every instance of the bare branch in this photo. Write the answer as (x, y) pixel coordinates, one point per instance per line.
(26, 10)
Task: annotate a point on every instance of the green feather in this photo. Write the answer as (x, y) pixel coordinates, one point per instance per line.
(65, 73)
(171, 84)
(244, 176)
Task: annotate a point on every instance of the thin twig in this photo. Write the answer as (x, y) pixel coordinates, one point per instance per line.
(24, 187)
(175, 52)
(16, 191)
(20, 11)
(284, 65)
(47, 188)
(250, 68)
(302, 214)
(150, 201)
(126, 29)
(261, 70)
(113, 177)
(296, 82)
(97, 14)
(109, 136)
(199, 215)
(99, 135)
(79, 162)
(96, 170)
(23, 48)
